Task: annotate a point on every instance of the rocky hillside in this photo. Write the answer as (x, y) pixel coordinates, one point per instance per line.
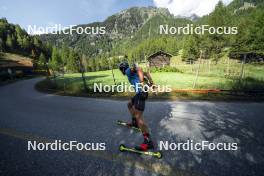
(128, 25)
(131, 27)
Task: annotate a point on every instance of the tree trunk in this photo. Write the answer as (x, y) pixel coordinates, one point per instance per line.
(83, 76)
(113, 76)
(198, 70)
(47, 70)
(84, 82)
(64, 84)
(242, 67)
(209, 69)
(228, 66)
(54, 77)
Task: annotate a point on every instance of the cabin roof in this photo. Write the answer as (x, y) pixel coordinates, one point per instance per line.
(12, 63)
(159, 53)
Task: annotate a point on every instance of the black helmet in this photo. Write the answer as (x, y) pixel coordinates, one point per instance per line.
(123, 66)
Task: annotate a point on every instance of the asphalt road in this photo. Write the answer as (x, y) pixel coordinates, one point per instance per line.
(27, 115)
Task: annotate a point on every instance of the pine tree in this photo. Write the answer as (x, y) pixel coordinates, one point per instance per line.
(19, 41)
(42, 59)
(36, 42)
(9, 42)
(190, 49)
(1, 45)
(73, 62)
(218, 18)
(257, 31)
(56, 62)
(26, 43)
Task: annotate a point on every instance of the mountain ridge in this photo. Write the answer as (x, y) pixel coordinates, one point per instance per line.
(128, 28)
(119, 26)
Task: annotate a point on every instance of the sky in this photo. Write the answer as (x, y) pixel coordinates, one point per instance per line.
(71, 12)
(189, 7)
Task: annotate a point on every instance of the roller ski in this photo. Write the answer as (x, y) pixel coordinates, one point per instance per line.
(129, 125)
(136, 150)
(143, 148)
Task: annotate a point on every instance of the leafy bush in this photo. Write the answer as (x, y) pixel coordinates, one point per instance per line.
(165, 69)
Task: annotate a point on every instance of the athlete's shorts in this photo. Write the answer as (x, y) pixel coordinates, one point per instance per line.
(138, 101)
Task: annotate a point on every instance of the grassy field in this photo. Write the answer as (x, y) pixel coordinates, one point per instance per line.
(174, 80)
(211, 77)
(73, 82)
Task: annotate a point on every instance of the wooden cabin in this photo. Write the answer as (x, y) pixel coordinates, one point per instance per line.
(159, 59)
(15, 68)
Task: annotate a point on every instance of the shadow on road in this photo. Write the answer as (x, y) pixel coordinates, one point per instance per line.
(218, 124)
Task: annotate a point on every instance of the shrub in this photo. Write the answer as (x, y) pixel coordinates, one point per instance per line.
(165, 69)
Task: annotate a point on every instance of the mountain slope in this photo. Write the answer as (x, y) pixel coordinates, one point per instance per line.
(236, 4)
(120, 28)
(130, 28)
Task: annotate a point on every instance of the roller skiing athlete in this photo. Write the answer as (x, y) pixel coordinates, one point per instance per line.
(136, 105)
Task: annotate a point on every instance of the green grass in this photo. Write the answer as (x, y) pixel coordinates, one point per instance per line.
(215, 80)
(220, 70)
(213, 77)
(73, 82)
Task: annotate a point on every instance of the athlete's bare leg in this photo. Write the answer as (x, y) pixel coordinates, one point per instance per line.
(140, 120)
(130, 108)
(147, 144)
